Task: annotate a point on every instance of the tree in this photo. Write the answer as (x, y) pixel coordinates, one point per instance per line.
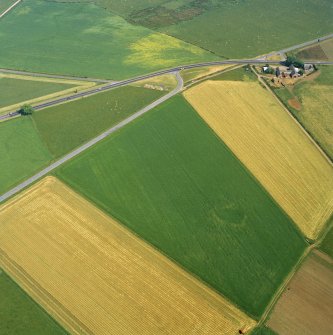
(293, 60)
(26, 110)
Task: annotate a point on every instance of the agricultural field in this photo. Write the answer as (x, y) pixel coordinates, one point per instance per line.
(85, 40)
(269, 142)
(232, 29)
(190, 75)
(311, 103)
(327, 244)
(96, 277)
(22, 152)
(306, 307)
(185, 193)
(320, 51)
(88, 117)
(19, 89)
(263, 331)
(240, 74)
(166, 82)
(20, 315)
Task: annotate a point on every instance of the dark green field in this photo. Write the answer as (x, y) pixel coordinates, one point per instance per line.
(20, 315)
(327, 244)
(67, 126)
(263, 331)
(242, 28)
(21, 150)
(13, 91)
(173, 182)
(86, 40)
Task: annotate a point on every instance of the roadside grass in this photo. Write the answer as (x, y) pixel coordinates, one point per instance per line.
(327, 244)
(66, 126)
(20, 315)
(316, 113)
(85, 40)
(240, 74)
(231, 28)
(169, 179)
(22, 152)
(13, 91)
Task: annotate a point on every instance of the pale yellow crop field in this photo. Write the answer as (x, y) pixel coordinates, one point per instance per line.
(95, 277)
(268, 141)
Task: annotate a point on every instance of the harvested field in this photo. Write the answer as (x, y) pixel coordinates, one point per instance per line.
(95, 277)
(174, 183)
(272, 146)
(306, 307)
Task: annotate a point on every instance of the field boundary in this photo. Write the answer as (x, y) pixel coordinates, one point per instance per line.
(39, 295)
(10, 8)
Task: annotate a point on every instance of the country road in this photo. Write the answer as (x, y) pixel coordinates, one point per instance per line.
(92, 142)
(112, 85)
(55, 76)
(10, 8)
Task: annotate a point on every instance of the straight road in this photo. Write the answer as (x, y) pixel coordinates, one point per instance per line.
(92, 142)
(55, 76)
(112, 85)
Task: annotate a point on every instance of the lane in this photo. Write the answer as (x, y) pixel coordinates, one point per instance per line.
(92, 142)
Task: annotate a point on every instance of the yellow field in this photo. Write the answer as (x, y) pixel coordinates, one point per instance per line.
(272, 146)
(95, 277)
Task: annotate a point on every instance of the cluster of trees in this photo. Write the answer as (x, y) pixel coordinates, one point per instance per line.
(26, 110)
(293, 60)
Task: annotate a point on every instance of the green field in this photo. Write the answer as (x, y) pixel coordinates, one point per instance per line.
(4, 4)
(231, 29)
(20, 315)
(13, 91)
(21, 150)
(239, 74)
(173, 182)
(316, 101)
(65, 127)
(85, 40)
(263, 331)
(327, 244)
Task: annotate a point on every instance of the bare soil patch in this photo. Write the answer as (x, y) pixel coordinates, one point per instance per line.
(306, 307)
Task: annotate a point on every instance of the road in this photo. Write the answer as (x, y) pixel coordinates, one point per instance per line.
(92, 142)
(112, 85)
(55, 76)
